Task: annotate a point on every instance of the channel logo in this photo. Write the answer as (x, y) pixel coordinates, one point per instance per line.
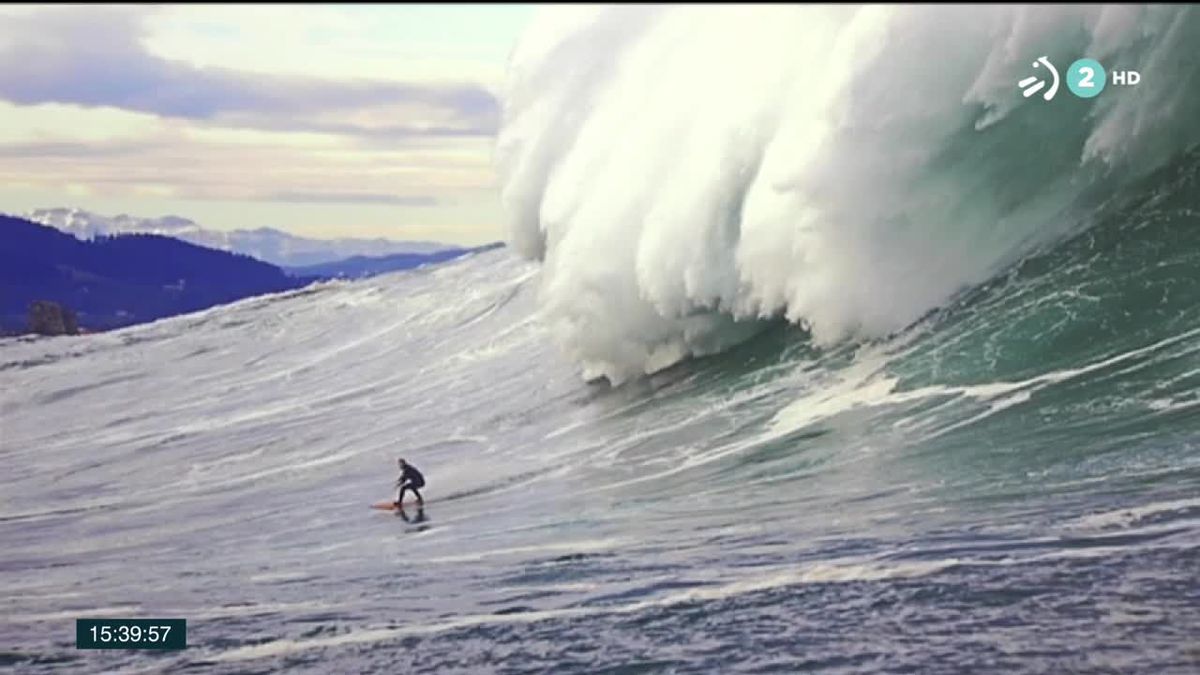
(1086, 78)
(1033, 84)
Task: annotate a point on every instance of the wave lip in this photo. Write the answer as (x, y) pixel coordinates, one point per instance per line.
(685, 173)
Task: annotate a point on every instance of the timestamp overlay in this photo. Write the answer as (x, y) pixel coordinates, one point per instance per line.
(129, 633)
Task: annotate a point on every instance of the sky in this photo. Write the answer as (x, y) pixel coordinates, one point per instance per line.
(321, 120)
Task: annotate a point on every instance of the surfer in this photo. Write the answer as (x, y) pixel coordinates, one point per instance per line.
(410, 479)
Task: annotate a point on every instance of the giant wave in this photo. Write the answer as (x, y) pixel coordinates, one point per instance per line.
(687, 174)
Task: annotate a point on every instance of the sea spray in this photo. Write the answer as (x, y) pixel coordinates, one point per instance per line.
(686, 174)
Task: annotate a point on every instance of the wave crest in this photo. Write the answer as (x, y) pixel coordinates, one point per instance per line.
(686, 173)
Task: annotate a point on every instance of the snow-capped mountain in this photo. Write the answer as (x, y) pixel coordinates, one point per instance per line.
(267, 244)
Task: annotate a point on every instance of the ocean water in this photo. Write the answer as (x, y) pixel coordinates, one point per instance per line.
(943, 451)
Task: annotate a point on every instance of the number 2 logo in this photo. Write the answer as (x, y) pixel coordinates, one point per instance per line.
(1086, 78)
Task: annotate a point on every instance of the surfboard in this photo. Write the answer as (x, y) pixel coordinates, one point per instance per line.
(391, 506)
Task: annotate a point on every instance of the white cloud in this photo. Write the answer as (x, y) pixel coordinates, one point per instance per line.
(397, 43)
(374, 118)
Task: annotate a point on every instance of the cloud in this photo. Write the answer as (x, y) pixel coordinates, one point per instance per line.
(96, 57)
(256, 166)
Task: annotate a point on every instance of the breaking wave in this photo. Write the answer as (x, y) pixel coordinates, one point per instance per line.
(688, 174)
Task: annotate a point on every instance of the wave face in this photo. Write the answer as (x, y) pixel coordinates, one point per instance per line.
(686, 175)
(1019, 468)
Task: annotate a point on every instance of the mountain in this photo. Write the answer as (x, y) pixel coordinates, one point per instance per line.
(114, 281)
(360, 267)
(264, 243)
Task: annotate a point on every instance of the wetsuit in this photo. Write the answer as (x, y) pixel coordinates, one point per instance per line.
(410, 479)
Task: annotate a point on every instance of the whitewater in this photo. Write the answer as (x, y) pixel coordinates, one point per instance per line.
(684, 173)
(823, 350)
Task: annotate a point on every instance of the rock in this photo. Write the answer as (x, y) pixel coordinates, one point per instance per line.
(51, 318)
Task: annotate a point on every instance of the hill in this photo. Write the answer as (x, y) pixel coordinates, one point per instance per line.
(359, 267)
(121, 280)
(266, 244)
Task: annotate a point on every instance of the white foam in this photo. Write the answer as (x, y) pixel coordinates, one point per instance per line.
(114, 611)
(1131, 516)
(683, 172)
